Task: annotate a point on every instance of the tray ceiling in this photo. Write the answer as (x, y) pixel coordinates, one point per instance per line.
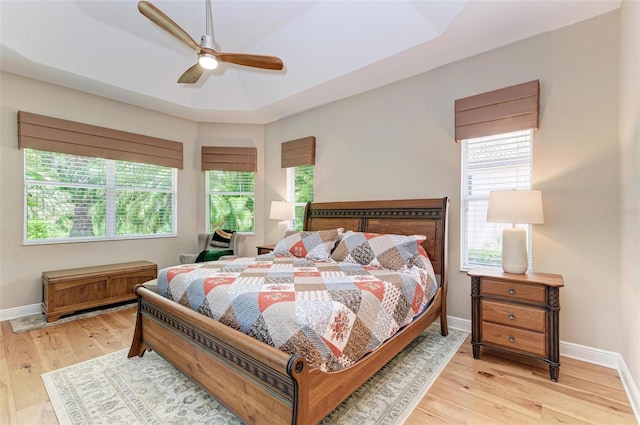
(331, 49)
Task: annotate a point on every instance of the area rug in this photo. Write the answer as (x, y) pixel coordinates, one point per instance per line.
(115, 390)
(38, 321)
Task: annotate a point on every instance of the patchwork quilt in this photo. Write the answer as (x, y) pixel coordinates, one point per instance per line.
(331, 313)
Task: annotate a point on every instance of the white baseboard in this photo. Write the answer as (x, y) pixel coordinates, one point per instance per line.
(630, 387)
(590, 355)
(14, 313)
(459, 323)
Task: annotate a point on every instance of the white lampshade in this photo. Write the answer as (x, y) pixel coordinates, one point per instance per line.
(281, 210)
(515, 207)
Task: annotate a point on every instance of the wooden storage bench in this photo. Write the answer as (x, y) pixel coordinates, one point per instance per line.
(70, 290)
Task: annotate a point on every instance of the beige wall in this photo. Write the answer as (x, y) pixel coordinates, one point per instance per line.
(21, 266)
(397, 142)
(629, 217)
(244, 136)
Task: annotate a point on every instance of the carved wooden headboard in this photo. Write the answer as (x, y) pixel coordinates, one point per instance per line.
(403, 217)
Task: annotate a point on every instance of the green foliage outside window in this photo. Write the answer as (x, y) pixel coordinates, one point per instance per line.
(231, 200)
(486, 257)
(303, 192)
(69, 196)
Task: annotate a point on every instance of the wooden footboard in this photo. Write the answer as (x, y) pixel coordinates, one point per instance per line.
(260, 384)
(250, 378)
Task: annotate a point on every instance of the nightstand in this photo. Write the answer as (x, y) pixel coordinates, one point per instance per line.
(517, 313)
(265, 249)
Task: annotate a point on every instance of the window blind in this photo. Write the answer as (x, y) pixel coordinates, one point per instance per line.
(490, 163)
(225, 158)
(231, 199)
(56, 135)
(300, 191)
(298, 152)
(499, 111)
(71, 198)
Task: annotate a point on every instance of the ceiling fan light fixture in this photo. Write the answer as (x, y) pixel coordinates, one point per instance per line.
(207, 50)
(207, 61)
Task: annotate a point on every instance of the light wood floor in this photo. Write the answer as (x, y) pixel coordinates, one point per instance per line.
(492, 390)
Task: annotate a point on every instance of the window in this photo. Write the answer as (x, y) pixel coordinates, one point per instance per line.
(73, 198)
(490, 163)
(231, 200)
(300, 191)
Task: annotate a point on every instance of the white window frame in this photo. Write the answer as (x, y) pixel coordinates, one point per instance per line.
(291, 192)
(110, 188)
(513, 177)
(210, 191)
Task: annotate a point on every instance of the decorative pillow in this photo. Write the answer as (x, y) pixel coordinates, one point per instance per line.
(306, 244)
(222, 238)
(392, 252)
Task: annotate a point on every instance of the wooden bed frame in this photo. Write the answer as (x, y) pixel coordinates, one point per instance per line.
(263, 385)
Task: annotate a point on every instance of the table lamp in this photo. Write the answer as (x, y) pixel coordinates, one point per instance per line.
(284, 211)
(515, 207)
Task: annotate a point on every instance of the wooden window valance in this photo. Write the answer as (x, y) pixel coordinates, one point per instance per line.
(505, 110)
(56, 135)
(298, 152)
(229, 158)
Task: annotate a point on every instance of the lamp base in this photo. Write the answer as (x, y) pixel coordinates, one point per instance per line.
(283, 226)
(514, 251)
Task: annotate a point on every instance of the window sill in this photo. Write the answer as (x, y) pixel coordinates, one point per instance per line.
(466, 269)
(85, 240)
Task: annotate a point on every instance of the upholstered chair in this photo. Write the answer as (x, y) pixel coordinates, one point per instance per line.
(204, 243)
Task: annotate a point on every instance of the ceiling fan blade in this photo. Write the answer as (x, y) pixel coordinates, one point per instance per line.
(191, 75)
(255, 61)
(156, 16)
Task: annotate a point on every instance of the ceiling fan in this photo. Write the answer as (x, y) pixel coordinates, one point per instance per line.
(208, 57)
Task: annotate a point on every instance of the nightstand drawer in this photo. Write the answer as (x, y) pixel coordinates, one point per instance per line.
(516, 291)
(514, 339)
(530, 318)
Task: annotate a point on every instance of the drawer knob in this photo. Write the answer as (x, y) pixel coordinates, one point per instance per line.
(512, 316)
(512, 339)
(512, 291)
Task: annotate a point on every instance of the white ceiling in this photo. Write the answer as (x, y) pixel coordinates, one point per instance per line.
(331, 49)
